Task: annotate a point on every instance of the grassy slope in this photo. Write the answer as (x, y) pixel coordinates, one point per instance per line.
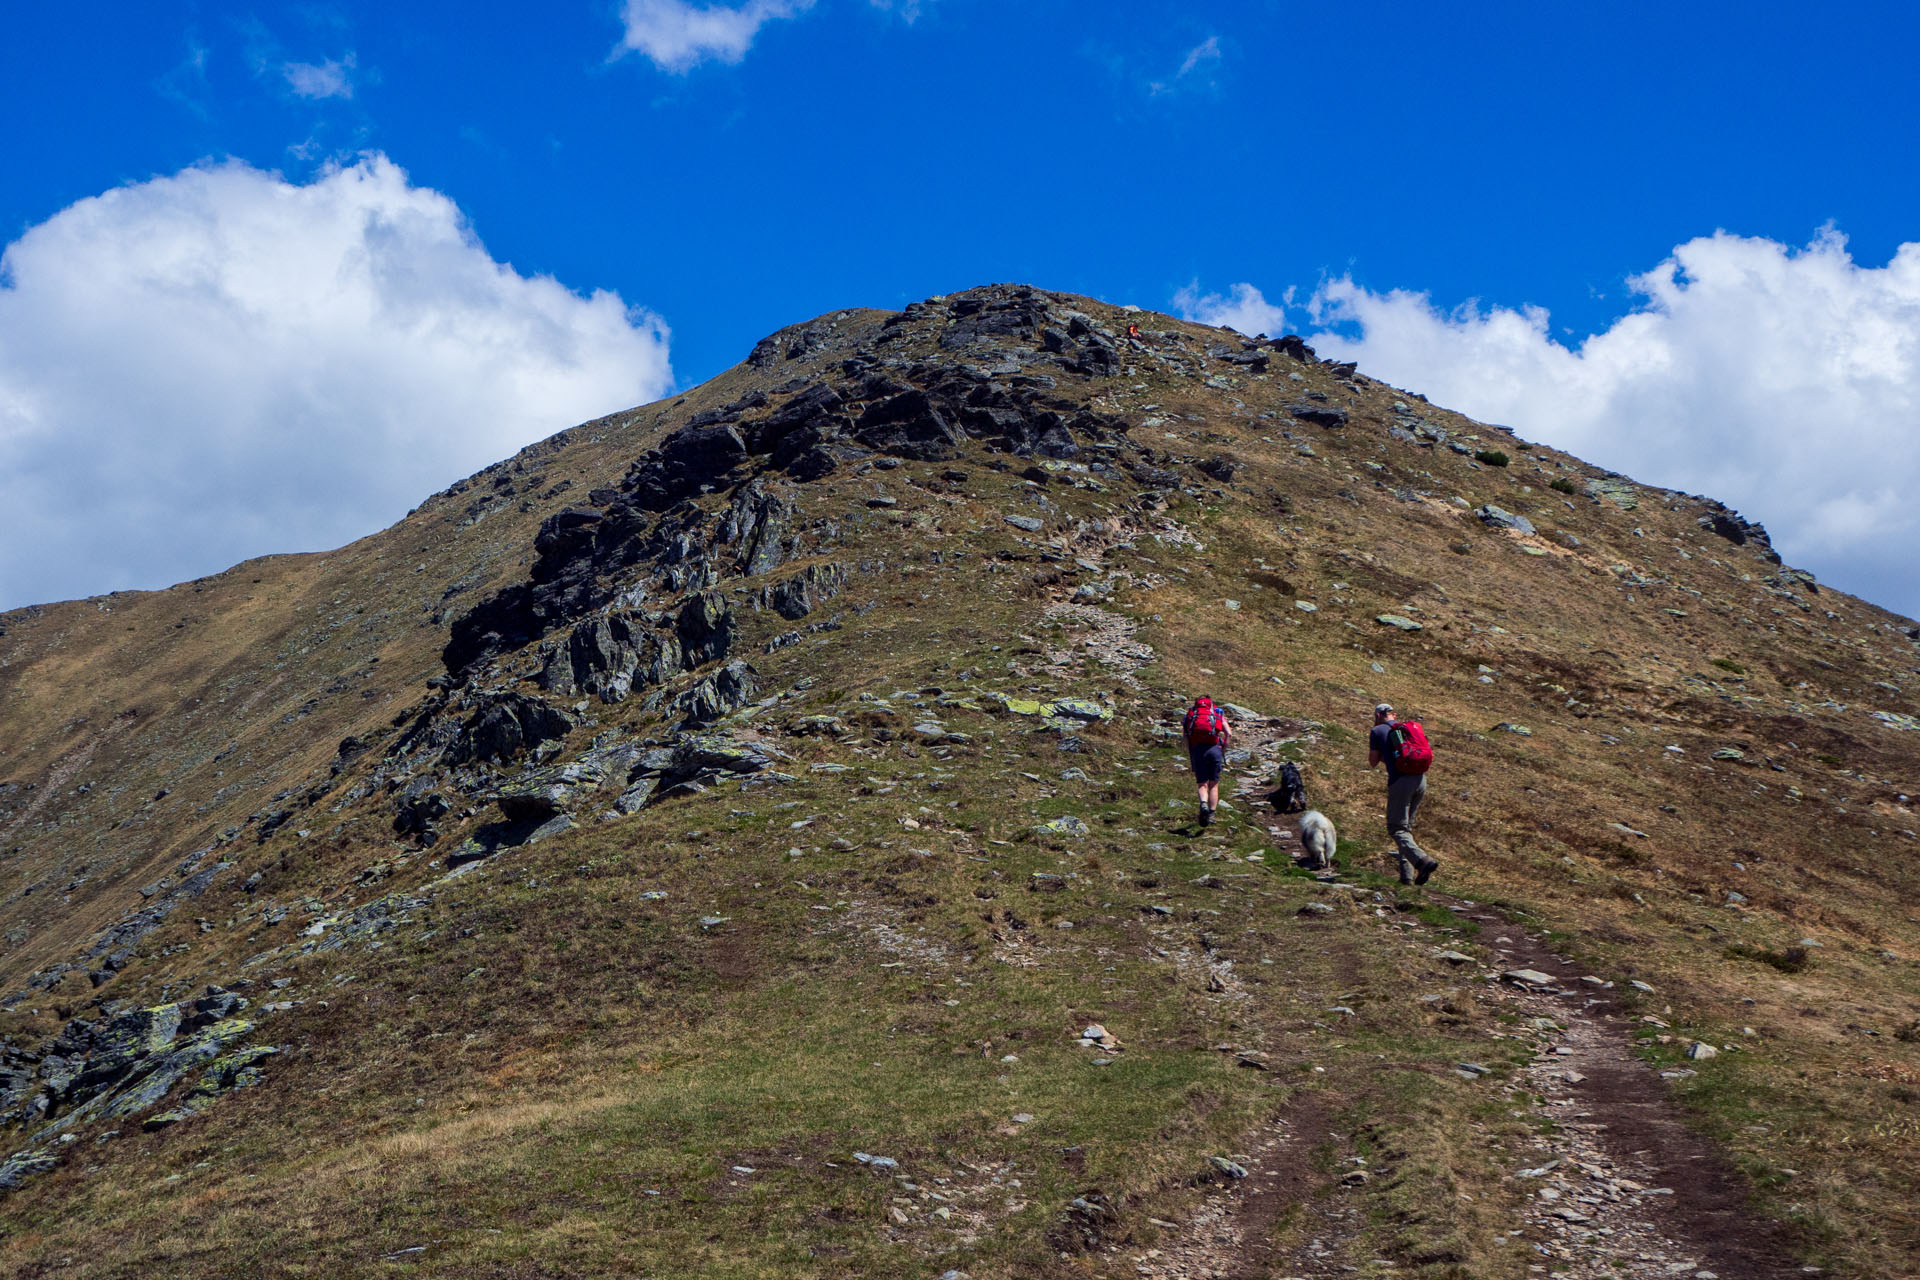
(507, 1082)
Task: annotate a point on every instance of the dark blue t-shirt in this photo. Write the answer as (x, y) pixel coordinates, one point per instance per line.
(1381, 740)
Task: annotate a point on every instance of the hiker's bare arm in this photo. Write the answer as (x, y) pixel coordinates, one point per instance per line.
(1373, 758)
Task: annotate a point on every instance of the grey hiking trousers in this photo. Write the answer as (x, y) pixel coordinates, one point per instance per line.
(1404, 795)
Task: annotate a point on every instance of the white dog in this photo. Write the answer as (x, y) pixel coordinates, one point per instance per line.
(1318, 838)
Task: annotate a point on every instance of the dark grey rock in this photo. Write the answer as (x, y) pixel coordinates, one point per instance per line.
(507, 725)
(1319, 415)
(908, 426)
(1495, 518)
(801, 594)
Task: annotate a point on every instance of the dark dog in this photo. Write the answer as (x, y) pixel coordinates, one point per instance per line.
(1291, 795)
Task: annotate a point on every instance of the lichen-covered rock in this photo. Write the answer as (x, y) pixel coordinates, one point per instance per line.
(126, 1042)
(1016, 706)
(717, 752)
(1079, 709)
(1610, 489)
(21, 1165)
(718, 695)
(159, 1074)
(239, 1070)
(540, 794)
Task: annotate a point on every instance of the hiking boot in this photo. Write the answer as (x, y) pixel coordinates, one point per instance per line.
(1427, 869)
(1406, 872)
(1206, 816)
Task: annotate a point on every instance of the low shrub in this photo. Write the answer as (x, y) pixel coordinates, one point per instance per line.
(1791, 960)
(1492, 458)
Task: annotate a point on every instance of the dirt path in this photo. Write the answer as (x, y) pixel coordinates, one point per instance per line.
(1616, 1184)
(1621, 1185)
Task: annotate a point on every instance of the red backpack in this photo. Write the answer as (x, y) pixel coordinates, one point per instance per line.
(1205, 724)
(1409, 749)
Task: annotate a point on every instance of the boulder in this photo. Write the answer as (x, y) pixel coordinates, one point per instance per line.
(539, 794)
(801, 594)
(718, 695)
(1319, 415)
(1496, 518)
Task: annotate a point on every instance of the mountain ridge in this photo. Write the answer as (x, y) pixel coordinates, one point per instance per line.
(623, 624)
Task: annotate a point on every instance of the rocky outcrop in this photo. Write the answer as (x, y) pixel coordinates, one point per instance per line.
(505, 726)
(908, 426)
(1740, 532)
(113, 1068)
(1319, 415)
(796, 597)
(717, 696)
(608, 654)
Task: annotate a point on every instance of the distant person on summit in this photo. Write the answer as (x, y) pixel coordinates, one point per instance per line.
(1207, 734)
(1401, 745)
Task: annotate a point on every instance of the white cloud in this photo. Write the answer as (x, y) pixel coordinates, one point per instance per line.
(1195, 69)
(679, 36)
(219, 364)
(1783, 382)
(1207, 50)
(1245, 309)
(328, 79)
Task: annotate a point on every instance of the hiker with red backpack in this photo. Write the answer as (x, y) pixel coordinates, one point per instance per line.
(1402, 746)
(1207, 733)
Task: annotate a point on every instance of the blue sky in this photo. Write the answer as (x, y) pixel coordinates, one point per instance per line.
(1418, 159)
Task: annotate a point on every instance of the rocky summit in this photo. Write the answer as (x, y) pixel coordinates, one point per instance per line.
(750, 835)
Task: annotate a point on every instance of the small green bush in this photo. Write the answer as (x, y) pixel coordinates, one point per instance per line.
(1564, 485)
(1728, 664)
(1792, 960)
(1491, 457)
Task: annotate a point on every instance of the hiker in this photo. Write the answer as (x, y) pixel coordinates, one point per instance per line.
(1401, 745)
(1207, 733)
(1133, 331)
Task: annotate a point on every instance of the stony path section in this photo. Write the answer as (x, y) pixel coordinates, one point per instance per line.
(1619, 1186)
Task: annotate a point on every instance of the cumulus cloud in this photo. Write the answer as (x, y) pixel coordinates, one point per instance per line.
(327, 79)
(1243, 308)
(1783, 381)
(679, 36)
(220, 364)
